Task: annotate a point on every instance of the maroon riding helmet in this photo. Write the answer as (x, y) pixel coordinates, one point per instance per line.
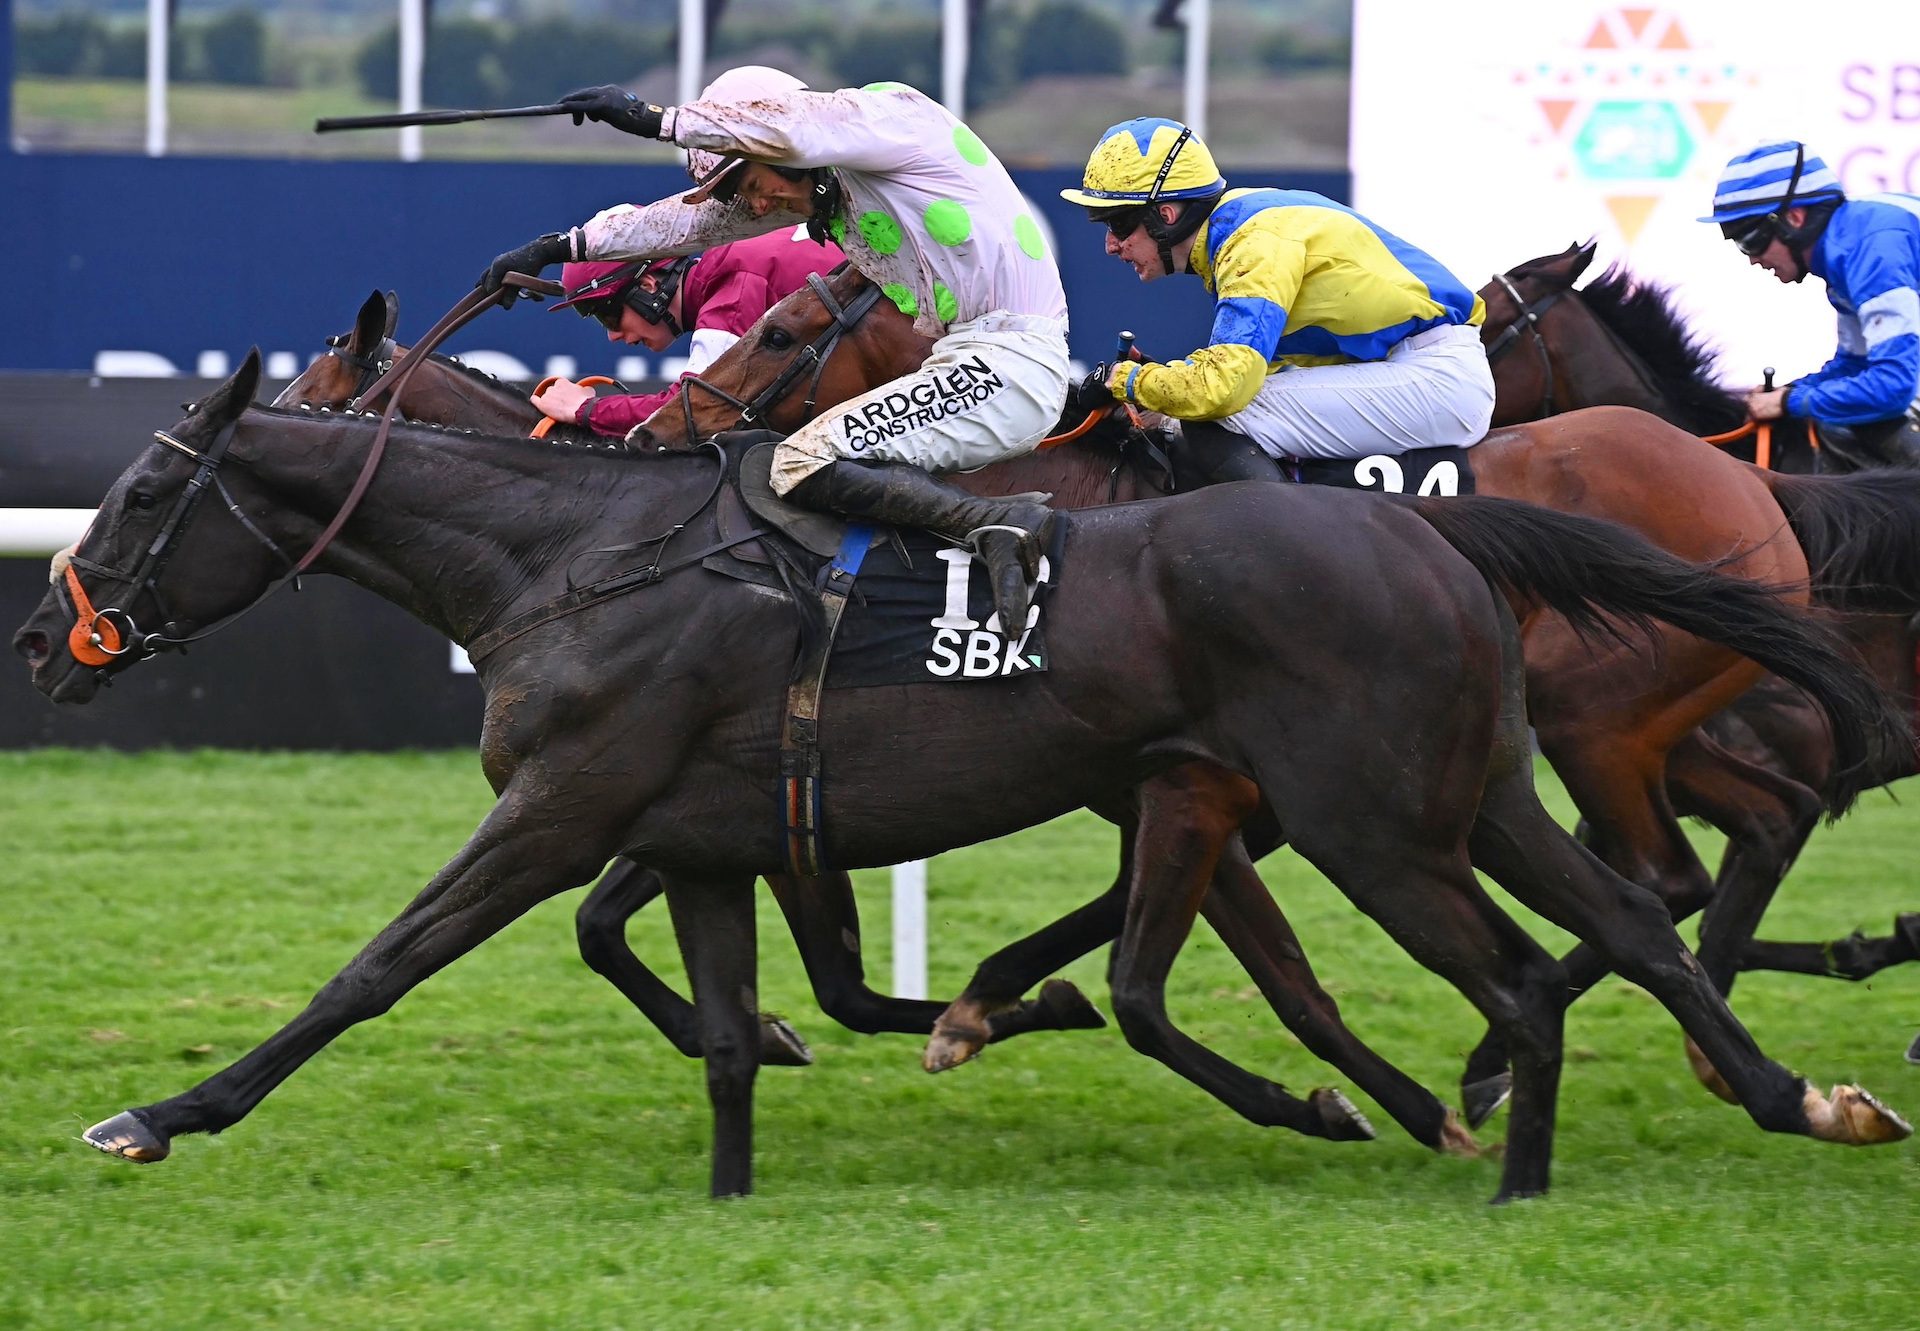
(603, 289)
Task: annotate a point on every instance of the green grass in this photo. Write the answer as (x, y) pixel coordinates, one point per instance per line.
(511, 1148)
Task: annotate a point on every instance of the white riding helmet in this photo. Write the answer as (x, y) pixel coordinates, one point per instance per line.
(741, 84)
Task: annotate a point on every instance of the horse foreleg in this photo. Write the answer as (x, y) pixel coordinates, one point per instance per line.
(1767, 818)
(990, 1008)
(1187, 817)
(714, 919)
(601, 928)
(1244, 914)
(1855, 957)
(500, 874)
(825, 921)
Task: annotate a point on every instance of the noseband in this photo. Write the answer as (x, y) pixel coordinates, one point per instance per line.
(753, 414)
(1529, 318)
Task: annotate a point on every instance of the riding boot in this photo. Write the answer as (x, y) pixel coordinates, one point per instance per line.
(1211, 454)
(1008, 533)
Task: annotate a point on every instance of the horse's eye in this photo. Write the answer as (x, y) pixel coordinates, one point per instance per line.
(779, 339)
(141, 499)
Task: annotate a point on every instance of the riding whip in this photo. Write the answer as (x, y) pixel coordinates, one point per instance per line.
(327, 124)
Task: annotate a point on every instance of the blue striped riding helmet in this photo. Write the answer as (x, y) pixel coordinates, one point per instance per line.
(1769, 179)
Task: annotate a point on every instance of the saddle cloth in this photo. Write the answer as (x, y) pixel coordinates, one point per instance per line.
(1420, 471)
(920, 605)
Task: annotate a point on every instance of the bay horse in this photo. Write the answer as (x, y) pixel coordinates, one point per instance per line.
(1187, 682)
(1608, 721)
(1754, 771)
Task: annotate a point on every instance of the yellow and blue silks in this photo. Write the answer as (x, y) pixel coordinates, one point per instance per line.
(1299, 280)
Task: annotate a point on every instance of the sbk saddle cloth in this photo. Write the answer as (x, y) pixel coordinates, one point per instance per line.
(919, 610)
(922, 613)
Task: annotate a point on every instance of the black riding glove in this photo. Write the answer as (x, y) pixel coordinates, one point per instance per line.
(530, 258)
(610, 104)
(1090, 393)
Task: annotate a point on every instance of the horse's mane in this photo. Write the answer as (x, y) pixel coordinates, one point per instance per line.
(556, 439)
(1680, 362)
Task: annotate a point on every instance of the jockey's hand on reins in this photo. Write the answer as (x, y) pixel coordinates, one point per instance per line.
(530, 258)
(1091, 394)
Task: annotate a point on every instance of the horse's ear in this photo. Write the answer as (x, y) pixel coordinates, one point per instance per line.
(226, 402)
(369, 326)
(1560, 269)
(393, 313)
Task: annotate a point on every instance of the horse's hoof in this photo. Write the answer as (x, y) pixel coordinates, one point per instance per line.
(1481, 1098)
(128, 1136)
(1708, 1075)
(781, 1045)
(1913, 1051)
(1502, 1197)
(950, 1046)
(1852, 1117)
(1067, 1008)
(1344, 1122)
(1455, 1140)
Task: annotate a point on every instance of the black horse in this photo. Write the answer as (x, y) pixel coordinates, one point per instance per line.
(1196, 684)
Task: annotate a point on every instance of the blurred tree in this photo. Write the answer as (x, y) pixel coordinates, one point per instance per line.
(547, 57)
(463, 64)
(63, 46)
(896, 49)
(234, 48)
(1065, 37)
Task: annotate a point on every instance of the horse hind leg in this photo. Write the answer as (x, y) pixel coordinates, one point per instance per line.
(1545, 869)
(1187, 816)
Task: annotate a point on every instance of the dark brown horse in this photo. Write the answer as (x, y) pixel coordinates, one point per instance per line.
(1755, 770)
(1194, 694)
(1608, 721)
(820, 910)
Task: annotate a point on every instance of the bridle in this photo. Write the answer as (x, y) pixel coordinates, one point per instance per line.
(1529, 319)
(101, 636)
(98, 637)
(753, 414)
(370, 366)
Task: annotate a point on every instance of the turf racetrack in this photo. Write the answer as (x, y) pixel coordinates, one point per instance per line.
(511, 1147)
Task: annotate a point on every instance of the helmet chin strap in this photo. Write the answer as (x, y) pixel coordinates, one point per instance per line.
(1168, 234)
(823, 203)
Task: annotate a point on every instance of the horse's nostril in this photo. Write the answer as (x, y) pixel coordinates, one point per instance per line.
(34, 645)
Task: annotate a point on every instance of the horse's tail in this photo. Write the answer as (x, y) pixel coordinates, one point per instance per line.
(1587, 569)
(1861, 535)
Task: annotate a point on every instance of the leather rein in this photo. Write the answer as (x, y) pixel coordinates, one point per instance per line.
(98, 637)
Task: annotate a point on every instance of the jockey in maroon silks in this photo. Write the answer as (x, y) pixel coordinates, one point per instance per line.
(716, 296)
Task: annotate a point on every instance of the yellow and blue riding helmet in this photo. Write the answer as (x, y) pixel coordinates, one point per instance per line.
(1144, 162)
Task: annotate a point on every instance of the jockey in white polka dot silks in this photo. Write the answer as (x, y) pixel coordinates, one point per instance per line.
(1332, 338)
(925, 211)
(1785, 209)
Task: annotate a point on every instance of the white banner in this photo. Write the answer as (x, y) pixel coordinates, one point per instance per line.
(1491, 132)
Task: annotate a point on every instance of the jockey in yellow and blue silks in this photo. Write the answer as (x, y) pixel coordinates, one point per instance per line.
(1785, 209)
(1332, 337)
